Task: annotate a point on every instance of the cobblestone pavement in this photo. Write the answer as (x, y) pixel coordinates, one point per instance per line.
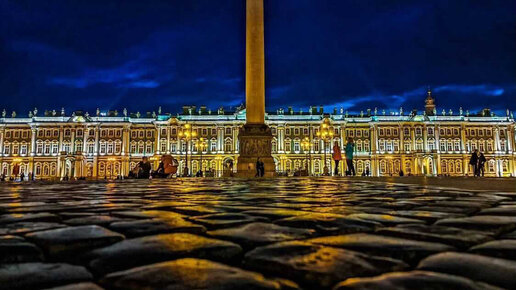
(309, 233)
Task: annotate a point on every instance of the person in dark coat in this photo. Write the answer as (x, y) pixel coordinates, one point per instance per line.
(481, 163)
(145, 168)
(473, 161)
(258, 168)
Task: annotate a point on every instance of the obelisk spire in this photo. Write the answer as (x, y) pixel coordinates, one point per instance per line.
(255, 64)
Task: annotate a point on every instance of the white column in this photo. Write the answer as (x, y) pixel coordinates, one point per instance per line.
(1, 146)
(61, 133)
(85, 133)
(158, 141)
(97, 133)
(168, 139)
(33, 142)
(497, 140)
(72, 141)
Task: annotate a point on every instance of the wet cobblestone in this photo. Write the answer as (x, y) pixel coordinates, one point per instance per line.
(298, 233)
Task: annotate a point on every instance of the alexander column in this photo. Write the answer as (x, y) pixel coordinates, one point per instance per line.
(255, 137)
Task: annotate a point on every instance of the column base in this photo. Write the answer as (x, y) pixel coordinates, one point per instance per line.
(255, 142)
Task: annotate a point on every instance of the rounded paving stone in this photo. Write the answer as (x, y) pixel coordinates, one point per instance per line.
(188, 273)
(314, 266)
(226, 220)
(40, 275)
(329, 223)
(101, 220)
(28, 227)
(501, 210)
(29, 217)
(440, 234)
(15, 249)
(151, 249)
(78, 286)
(140, 228)
(505, 249)
(254, 234)
(385, 219)
(404, 249)
(493, 224)
(494, 271)
(420, 280)
(71, 241)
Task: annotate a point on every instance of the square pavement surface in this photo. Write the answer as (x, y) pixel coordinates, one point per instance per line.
(282, 233)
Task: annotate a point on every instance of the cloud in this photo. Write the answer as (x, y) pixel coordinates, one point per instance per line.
(394, 101)
(487, 90)
(141, 84)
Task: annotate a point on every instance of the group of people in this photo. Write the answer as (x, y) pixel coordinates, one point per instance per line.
(337, 157)
(477, 162)
(166, 168)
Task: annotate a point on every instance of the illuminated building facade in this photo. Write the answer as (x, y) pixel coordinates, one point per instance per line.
(110, 144)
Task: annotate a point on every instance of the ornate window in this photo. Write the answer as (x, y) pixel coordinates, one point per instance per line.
(228, 146)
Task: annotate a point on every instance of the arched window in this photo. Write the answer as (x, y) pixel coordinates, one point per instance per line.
(47, 148)
(444, 167)
(297, 165)
(102, 147)
(287, 145)
(141, 147)
(53, 169)
(317, 167)
(383, 167)
(213, 145)
(360, 167)
(149, 148)
(274, 145)
(110, 147)
(38, 169)
(451, 167)
(46, 169)
(55, 147)
(491, 166)
(118, 146)
(228, 146)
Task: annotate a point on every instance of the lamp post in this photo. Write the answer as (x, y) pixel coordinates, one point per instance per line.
(325, 133)
(187, 133)
(306, 147)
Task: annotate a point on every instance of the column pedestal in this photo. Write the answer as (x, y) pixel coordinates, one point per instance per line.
(255, 142)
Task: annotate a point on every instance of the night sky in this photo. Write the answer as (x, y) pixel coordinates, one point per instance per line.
(338, 53)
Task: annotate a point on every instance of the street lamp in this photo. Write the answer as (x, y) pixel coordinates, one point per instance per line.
(306, 147)
(325, 133)
(188, 134)
(201, 146)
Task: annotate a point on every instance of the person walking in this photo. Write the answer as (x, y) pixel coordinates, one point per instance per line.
(337, 157)
(350, 147)
(481, 163)
(473, 161)
(258, 168)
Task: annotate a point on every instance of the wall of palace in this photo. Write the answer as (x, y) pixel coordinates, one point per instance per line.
(106, 146)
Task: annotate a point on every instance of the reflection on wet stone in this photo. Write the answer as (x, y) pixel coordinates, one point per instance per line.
(316, 266)
(188, 274)
(151, 249)
(309, 233)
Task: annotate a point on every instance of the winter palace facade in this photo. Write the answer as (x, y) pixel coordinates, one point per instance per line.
(109, 144)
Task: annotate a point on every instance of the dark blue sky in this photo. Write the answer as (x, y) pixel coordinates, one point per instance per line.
(356, 54)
